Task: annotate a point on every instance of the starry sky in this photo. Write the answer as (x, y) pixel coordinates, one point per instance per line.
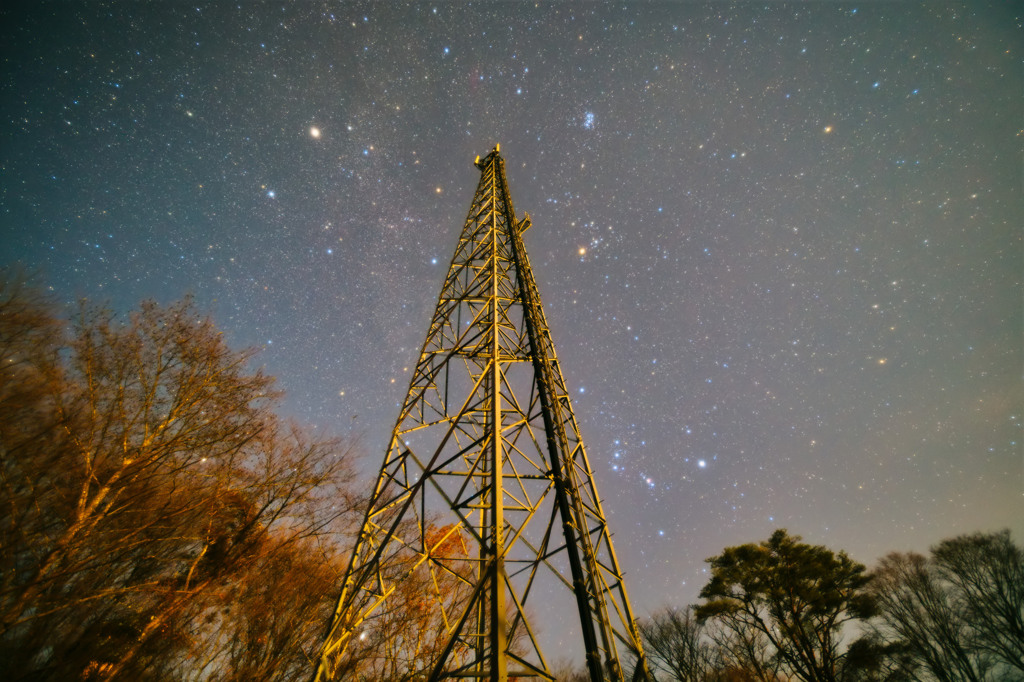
(779, 245)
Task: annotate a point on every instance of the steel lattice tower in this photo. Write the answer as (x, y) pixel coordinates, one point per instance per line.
(485, 503)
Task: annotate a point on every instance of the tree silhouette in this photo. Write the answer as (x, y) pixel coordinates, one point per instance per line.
(783, 604)
(677, 645)
(958, 612)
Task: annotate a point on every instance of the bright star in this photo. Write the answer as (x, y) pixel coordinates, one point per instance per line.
(314, 132)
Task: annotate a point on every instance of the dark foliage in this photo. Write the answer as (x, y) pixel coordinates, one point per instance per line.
(782, 604)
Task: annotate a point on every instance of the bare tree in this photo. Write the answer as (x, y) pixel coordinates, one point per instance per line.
(270, 619)
(405, 640)
(958, 612)
(918, 609)
(986, 570)
(677, 645)
(146, 482)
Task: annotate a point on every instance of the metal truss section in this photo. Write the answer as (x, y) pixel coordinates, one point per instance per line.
(485, 511)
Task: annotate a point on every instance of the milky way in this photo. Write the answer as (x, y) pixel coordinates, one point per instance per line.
(779, 246)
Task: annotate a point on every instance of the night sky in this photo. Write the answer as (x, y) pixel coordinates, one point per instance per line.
(779, 245)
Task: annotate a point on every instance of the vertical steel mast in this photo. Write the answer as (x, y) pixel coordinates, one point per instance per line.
(485, 513)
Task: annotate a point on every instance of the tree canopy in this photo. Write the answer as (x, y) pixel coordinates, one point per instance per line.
(782, 604)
